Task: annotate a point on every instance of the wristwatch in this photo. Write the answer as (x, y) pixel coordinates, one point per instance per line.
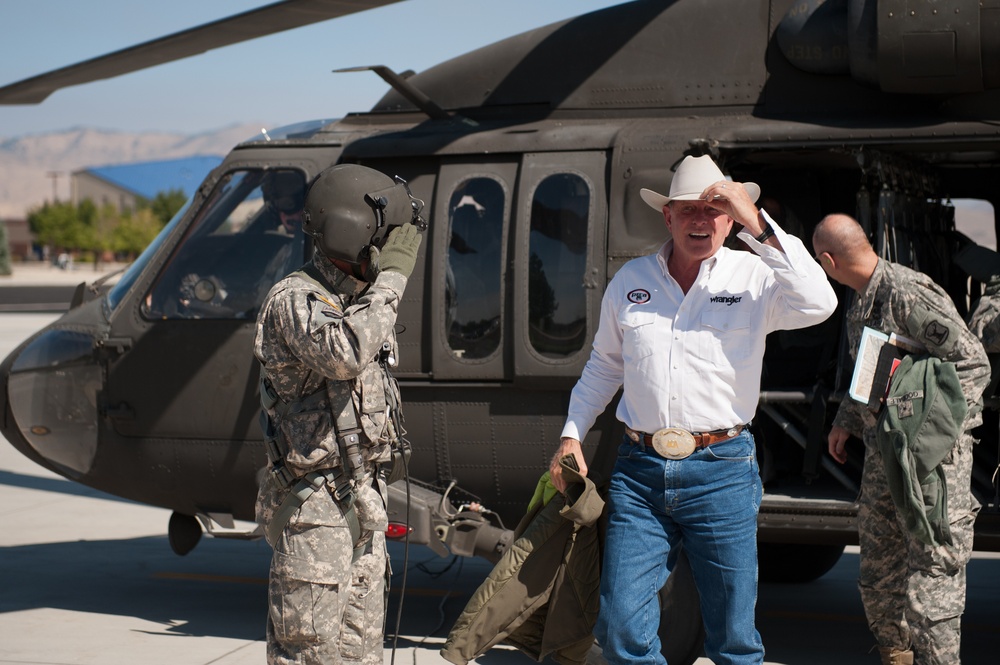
(768, 232)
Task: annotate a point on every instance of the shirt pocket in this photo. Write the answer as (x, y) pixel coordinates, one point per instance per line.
(372, 403)
(371, 385)
(311, 441)
(638, 334)
(724, 338)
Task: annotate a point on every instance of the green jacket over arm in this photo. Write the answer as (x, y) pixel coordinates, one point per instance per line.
(543, 595)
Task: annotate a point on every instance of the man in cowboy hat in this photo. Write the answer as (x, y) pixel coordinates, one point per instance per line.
(682, 332)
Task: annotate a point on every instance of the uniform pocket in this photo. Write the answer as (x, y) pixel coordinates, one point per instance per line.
(311, 441)
(310, 568)
(372, 388)
(362, 631)
(303, 612)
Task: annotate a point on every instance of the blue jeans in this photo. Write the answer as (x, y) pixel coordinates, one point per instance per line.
(708, 503)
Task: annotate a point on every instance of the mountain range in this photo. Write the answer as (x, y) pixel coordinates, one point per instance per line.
(36, 167)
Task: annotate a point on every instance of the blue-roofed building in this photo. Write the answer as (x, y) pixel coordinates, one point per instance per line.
(122, 184)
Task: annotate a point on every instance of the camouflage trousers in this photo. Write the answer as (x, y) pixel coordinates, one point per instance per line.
(914, 594)
(322, 608)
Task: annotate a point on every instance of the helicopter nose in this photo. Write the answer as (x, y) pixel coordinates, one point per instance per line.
(48, 388)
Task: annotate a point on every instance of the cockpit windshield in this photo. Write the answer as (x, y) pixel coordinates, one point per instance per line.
(247, 236)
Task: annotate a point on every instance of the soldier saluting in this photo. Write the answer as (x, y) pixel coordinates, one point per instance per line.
(325, 342)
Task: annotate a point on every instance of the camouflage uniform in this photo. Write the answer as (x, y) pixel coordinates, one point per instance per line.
(984, 322)
(322, 607)
(914, 594)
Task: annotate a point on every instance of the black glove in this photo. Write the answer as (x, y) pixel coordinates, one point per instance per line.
(399, 253)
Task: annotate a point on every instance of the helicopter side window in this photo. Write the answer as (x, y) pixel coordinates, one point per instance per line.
(247, 236)
(475, 252)
(557, 319)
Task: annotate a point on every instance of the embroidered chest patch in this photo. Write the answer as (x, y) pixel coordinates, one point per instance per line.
(638, 296)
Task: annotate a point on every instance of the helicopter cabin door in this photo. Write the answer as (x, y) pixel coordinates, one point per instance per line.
(560, 242)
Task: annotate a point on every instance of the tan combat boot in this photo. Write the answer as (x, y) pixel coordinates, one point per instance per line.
(893, 656)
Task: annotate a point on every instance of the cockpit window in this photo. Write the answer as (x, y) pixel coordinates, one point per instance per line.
(557, 259)
(473, 295)
(247, 236)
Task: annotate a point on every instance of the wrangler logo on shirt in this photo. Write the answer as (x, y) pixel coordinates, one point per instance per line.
(729, 300)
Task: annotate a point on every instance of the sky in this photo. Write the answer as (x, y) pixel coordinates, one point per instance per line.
(275, 80)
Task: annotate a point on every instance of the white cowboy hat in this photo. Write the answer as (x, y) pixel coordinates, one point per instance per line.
(693, 175)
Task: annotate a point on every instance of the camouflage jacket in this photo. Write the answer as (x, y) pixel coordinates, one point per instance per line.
(311, 339)
(984, 322)
(906, 302)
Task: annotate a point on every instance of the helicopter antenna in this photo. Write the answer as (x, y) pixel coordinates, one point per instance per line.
(401, 85)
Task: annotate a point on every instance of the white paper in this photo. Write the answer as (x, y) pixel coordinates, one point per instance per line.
(869, 347)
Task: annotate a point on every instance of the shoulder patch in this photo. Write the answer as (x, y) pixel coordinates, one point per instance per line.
(933, 329)
(323, 311)
(936, 332)
(329, 302)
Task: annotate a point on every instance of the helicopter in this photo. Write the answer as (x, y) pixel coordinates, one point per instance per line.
(529, 155)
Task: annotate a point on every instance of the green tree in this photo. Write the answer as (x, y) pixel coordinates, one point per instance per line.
(102, 225)
(134, 232)
(166, 204)
(57, 225)
(85, 227)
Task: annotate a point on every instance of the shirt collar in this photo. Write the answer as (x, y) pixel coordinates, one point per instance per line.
(667, 248)
(866, 299)
(339, 280)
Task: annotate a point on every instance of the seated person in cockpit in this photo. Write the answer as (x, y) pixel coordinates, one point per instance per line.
(235, 283)
(284, 197)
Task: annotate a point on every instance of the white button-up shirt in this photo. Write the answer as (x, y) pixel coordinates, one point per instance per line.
(694, 360)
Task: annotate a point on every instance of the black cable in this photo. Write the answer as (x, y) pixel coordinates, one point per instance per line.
(406, 557)
(403, 446)
(447, 595)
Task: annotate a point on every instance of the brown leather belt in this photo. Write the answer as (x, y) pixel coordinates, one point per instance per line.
(701, 439)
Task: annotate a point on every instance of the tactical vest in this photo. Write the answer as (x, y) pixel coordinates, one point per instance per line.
(354, 451)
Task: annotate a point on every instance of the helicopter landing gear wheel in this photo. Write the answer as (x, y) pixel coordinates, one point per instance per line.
(796, 563)
(183, 533)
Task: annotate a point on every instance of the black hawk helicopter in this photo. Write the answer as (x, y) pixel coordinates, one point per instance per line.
(530, 154)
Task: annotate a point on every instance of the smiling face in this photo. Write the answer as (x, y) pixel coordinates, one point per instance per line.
(698, 229)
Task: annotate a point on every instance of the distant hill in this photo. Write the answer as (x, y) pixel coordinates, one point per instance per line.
(26, 162)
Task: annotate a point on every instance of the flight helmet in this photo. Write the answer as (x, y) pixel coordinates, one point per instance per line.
(350, 208)
(284, 191)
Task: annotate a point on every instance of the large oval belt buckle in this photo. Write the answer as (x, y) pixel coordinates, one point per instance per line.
(674, 443)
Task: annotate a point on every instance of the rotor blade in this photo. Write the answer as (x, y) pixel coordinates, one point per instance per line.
(259, 22)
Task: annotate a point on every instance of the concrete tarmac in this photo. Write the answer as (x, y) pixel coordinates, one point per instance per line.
(90, 579)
